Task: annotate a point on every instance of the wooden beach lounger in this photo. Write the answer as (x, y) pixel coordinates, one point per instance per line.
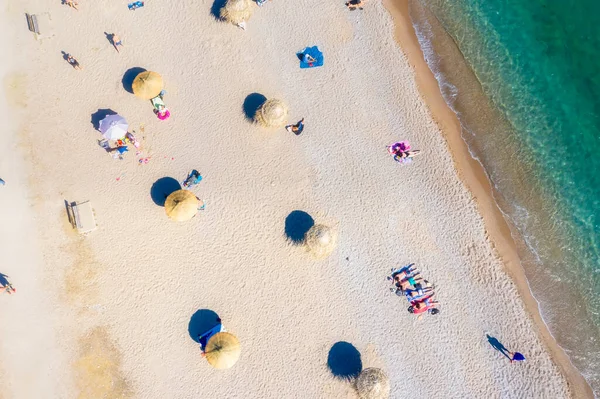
(83, 217)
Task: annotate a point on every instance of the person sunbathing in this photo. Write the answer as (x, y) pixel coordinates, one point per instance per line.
(193, 178)
(401, 156)
(427, 305)
(405, 271)
(354, 4)
(73, 62)
(309, 59)
(411, 284)
(8, 288)
(405, 275)
(72, 4)
(418, 293)
(297, 128)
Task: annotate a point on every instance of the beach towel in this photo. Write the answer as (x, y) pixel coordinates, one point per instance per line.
(313, 52)
(193, 178)
(135, 4)
(157, 102)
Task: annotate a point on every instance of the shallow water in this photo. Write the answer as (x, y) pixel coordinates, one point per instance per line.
(524, 78)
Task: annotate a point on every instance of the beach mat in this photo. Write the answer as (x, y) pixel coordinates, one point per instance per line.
(313, 52)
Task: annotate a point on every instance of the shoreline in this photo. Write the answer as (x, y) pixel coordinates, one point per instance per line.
(474, 177)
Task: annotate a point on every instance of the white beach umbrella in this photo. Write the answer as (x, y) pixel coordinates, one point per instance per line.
(113, 127)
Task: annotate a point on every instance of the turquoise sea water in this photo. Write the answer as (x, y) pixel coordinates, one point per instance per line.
(537, 64)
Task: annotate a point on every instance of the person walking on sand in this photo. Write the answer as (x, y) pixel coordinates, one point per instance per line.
(516, 357)
(74, 63)
(297, 128)
(116, 41)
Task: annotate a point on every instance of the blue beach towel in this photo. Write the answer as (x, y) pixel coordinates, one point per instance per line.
(313, 52)
(135, 4)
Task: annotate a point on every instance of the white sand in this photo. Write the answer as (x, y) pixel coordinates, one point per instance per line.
(116, 305)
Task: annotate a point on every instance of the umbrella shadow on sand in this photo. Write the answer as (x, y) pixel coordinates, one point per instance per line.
(252, 103)
(215, 10)
(202, 321)
(344, 360)
(99, 115)
(297, 224)
(129, 77)
(162, 188)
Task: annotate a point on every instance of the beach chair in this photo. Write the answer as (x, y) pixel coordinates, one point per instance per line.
(82, 217)
(32, 23)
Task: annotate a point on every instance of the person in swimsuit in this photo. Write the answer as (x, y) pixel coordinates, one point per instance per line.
(408, 279)
(405, 271)
(309, 59)
(405, 156)
(427, 305)
(116, 41)
(297, 128)
(409, 284)
(193, 178)
(72, 4)
(419, 293)
(74, 63)
(354, 4)
(8, 288)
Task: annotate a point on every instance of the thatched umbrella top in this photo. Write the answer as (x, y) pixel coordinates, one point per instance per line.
(222, 350)
(147, 85)
(182, 205)
(237, 11)
(321, 240)
(373, 383)
(273, 113)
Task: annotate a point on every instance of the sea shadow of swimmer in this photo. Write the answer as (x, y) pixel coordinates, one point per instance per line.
(498, 345)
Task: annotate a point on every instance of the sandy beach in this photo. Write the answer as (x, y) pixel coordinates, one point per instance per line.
(108, 315)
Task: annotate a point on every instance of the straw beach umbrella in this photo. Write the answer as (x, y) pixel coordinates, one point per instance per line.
(237, 11)
(222, 350)
(147, 85)
(373, 383)
(113, 127)
(273, 113)
(182, 205)
(320, 240)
